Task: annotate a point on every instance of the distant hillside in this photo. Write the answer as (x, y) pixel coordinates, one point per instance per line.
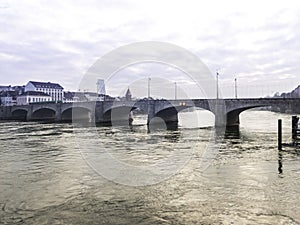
(288, 109)
(293, 94)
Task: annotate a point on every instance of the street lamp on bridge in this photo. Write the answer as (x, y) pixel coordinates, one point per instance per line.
(235, 87)
(217, 84)
(149, 79)
(175, 84)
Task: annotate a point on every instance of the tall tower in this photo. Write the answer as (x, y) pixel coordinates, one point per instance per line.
(101, 87)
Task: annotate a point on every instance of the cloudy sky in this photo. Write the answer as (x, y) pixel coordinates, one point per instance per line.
(255, 41)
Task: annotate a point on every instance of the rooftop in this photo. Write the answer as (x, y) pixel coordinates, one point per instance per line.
(8, 93)
(46, 85)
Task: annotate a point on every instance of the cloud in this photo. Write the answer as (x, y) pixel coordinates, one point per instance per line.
(58, 40)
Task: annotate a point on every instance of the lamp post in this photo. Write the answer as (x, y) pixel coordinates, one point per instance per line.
(149, 79)
(235, 87)
(217, 85)
(175, 84)
(148, 102)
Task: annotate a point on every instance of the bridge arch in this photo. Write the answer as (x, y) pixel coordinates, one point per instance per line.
(20, 114)
(196, 117)
(76, 113)
(170, 114)
(43, 114)
(233, 116)
(118, 115)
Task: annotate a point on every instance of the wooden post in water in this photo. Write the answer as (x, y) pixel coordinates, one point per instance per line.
(279, 134)
(295, 120)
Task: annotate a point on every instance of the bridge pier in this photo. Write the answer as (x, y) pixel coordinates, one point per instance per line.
(99, 112)
(29, 113)
(58, 115)
(150, 111)
(219, 111)
(5, 112)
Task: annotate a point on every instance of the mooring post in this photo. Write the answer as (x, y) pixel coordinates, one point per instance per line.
(295, 120)
(279, 134)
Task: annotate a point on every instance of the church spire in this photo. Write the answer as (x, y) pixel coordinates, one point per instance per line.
(128, 95)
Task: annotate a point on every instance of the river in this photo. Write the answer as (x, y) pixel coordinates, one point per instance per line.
(47, 178)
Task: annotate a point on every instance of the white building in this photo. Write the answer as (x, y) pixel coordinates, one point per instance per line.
(52, 89)
(33, 97)
(101, 87)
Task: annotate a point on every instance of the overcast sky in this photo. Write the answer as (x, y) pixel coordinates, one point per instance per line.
(255, 41)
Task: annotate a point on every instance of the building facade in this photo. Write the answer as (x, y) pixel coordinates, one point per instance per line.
(70, 97)
(33, 97)
(8, 98)
(6, 88)
(55, 91)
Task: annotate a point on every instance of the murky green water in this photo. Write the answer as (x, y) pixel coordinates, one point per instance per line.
(45, 180)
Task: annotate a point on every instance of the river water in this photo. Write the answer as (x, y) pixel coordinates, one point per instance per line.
(46, 179)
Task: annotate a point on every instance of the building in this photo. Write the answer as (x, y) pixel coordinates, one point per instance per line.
(8, 98)
(91, 96)
(70, 97)
(6, 88)
(105, 98)
(101, 87)
(8, 94)
(33, 97)
(19, 89)
(52, 89)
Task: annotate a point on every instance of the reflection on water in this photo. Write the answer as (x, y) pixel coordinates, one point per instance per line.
(44, 179)
(232, 132)
(280, 171)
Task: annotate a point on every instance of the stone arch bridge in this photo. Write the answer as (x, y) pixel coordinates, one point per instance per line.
(226, 111)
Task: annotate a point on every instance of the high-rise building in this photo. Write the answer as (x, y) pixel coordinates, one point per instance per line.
(101, 87)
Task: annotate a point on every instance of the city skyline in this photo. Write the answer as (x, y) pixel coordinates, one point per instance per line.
(255, 42)
(171, 91)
